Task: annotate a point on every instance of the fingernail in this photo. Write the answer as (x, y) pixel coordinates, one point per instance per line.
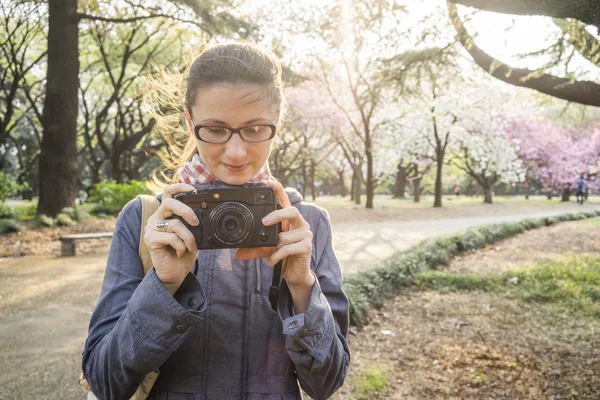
(195, 219)
(266, 220)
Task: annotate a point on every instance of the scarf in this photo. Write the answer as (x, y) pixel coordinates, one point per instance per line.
(196, 172)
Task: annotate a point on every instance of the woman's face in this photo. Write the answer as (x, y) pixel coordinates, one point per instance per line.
(236, 161)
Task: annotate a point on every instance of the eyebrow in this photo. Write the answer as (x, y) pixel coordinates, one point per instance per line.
(216, 121)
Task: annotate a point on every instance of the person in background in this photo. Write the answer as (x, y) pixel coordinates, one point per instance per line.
(581, 189)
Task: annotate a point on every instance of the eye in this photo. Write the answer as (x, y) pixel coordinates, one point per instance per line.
(216, 131)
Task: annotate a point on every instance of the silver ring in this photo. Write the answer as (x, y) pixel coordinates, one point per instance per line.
(162, 225)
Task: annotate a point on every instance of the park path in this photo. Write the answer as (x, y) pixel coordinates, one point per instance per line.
(361, 246)
(46, 301)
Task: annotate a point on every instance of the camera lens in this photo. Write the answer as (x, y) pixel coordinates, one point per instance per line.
(231, 224)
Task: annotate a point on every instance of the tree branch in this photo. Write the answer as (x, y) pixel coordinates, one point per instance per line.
(582, 92)
(587, 11)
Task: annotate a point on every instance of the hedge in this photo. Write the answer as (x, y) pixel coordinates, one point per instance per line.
(369, 289)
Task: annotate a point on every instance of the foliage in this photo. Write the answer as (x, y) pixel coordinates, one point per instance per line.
(111, 196)
(44, 221)
(9, 187)
(7, 213)
(9, 225)
(64, 219)
(371, 382)
(368, 289)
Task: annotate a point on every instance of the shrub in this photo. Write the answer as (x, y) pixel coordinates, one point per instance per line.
(370, 383)
(9, 225)
(63, 219)
(7, 212)
(9, 187)
(111, 196)
(72, 213)
(44, 221)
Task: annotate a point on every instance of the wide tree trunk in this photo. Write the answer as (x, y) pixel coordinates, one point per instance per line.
(487, 194)
(400, 186)
(343, 188)
(438, 181)
(566, 194)
(58, 155)
(417, 190)
(357, 188)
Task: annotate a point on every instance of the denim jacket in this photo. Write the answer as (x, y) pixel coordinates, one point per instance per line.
(217, 337)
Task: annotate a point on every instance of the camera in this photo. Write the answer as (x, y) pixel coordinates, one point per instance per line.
(231, 216)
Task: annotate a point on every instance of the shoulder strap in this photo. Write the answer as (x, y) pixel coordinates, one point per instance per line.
(149, 206)
(274, 288)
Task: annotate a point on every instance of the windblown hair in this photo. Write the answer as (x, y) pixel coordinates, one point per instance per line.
(232, 63)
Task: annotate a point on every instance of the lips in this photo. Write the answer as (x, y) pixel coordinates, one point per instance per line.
(236, 168)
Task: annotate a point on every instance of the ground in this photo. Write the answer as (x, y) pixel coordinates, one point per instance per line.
(46, 302)
(484, 345)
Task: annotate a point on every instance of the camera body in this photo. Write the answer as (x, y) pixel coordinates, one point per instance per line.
(231, 216)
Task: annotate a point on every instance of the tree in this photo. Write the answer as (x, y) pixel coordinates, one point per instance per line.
(554, 156)
(57, 165)
(489, 158)
(571, 17)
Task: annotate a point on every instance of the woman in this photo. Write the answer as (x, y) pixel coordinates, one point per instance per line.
(202, 319)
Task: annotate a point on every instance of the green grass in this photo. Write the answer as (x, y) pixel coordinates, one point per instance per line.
(386, 201)
(568, 284)
(369, 383)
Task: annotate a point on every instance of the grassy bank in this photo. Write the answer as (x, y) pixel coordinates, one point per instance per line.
(369, 289)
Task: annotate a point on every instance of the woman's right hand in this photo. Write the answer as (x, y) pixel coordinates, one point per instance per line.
(172, 252)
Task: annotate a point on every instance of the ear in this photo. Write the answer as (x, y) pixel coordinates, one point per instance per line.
(188, 119)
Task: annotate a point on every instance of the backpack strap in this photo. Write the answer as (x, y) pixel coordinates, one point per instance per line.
(149, 206)
(274, 288)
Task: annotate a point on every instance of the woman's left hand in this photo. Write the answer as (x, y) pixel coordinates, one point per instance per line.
(295, 242)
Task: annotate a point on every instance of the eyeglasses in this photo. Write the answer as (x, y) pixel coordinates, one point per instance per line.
(220, 134)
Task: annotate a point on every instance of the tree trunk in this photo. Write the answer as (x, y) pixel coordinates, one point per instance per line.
(400, 187)
(343, 188)
(313, 188)
(304, 178)
(527, 186)
(487, 194)
(58, 155)
(353, 185)
(438, 180)
(370, 183)
(417, 190)
(566, 194)
(357, 187)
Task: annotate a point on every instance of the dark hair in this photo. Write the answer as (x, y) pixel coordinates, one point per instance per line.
(233, 63)
(236, 63)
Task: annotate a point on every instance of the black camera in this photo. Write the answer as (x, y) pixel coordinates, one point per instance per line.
(231, 216)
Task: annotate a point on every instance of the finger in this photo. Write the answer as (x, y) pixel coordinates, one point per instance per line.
(303, 247)
(293, 236)
(157, 240)
(252, 253)
(280, 192)
(171, 190)
(170, 207)
(287, 214)
(177, 227)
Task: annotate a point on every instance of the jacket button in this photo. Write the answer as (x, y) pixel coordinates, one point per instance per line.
(303, 332)
(192, 301)
(293, 325)
(181, 328)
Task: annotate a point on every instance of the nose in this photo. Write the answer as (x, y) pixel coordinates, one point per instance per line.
(235, 148)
